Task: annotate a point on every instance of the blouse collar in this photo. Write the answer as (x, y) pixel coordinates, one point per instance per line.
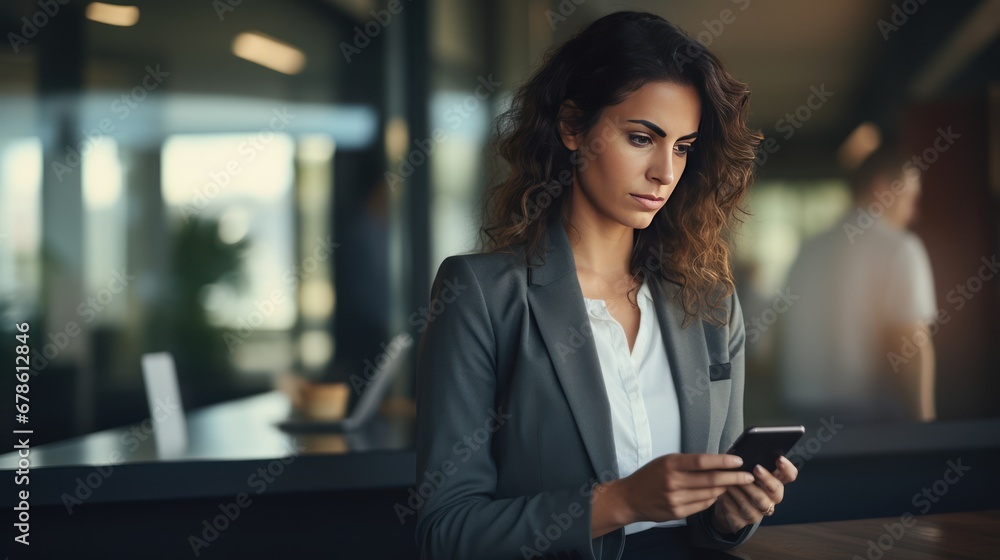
(644, 297)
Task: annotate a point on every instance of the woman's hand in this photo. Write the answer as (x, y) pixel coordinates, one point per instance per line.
(677, 485)
(745, 504)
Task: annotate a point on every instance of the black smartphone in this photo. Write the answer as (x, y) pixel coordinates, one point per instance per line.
(763, 445)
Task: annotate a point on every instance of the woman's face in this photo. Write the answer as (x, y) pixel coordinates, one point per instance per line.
(632, 158)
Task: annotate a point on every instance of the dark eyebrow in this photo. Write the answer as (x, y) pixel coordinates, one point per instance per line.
(659, 131)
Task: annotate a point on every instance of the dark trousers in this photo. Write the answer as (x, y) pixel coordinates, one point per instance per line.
(666, 543)
(660, 543)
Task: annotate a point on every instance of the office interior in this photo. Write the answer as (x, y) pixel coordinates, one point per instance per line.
(265, 189)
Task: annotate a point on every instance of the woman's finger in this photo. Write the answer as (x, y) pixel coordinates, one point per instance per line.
(683, 498)
(747, 511)
(695, 507)
(730, 511)
(770, 484)
(757, 497)
(753, 495)
(786, 471)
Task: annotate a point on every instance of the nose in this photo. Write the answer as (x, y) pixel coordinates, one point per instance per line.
(662, 169)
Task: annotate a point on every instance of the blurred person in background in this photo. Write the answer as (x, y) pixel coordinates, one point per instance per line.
(857, 343)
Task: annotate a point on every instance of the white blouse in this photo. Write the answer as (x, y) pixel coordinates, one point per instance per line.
(644, 411)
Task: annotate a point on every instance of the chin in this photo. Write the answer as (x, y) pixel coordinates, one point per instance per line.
(639, 220)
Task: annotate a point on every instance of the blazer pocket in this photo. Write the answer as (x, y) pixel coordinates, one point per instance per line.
(718, 372)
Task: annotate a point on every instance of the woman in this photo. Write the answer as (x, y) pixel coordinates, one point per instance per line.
(577, 379)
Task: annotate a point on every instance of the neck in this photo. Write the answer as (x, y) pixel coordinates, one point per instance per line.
(600, 244)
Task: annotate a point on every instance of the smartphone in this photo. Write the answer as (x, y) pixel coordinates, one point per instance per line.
(763, 445)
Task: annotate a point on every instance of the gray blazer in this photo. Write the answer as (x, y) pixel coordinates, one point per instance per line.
(513, 422)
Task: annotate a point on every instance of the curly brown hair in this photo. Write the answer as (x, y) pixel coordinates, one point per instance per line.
(601, 66)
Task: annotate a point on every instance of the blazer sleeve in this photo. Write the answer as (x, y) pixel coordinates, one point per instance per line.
(702, 533)
(460, 516)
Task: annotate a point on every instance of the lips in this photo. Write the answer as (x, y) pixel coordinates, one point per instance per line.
(648, 201)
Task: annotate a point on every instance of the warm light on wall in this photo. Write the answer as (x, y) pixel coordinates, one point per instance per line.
(397, 138)
(113, 14)
(269, 52)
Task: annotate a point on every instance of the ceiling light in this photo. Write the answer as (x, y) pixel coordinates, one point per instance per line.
(269, 52)
(113, 14)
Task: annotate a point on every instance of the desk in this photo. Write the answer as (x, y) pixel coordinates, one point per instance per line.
(227, 443)
(296, 495)
(946, 536)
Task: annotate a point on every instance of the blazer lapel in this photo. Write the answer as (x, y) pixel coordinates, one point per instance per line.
(688, 365)
(557, 304)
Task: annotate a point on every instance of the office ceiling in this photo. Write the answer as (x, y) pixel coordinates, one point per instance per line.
(784, 49)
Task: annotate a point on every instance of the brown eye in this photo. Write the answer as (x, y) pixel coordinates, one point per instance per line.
(685, 149)
(639, 140)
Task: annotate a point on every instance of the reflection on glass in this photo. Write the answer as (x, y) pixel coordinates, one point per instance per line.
(783, 214)
(105, 227)
(244, 182)
(20, 225)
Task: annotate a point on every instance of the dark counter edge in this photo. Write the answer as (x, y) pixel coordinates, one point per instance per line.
(135, 482)
(191, 479)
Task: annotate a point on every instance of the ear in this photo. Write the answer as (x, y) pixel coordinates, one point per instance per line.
(567, 111)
